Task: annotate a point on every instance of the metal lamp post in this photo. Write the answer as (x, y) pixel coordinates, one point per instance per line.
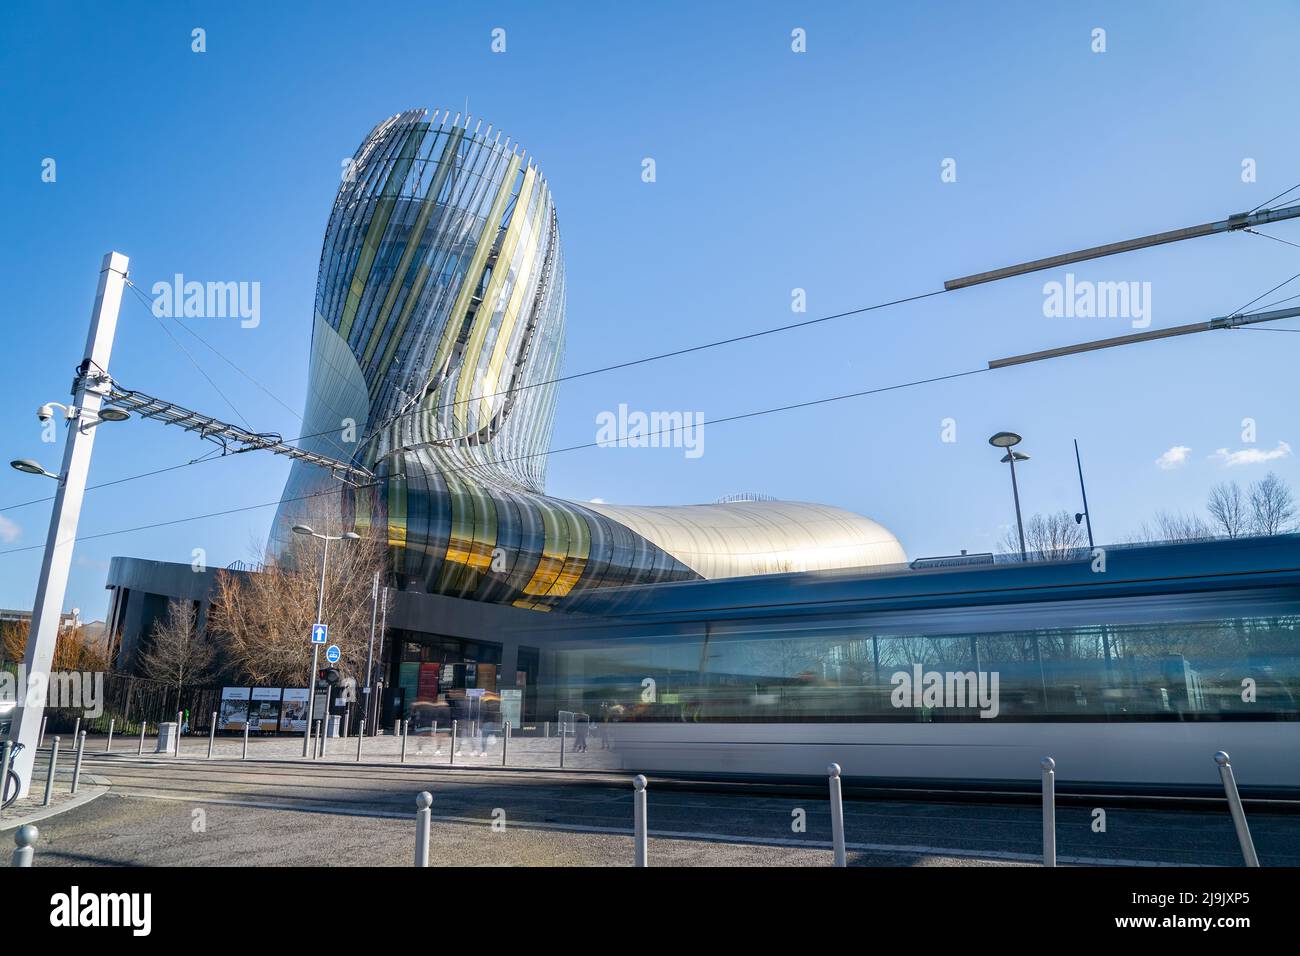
(1083, 515)
(1009, 440)
(82, 415)
(320, 610)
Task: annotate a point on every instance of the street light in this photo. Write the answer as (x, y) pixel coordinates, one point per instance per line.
(1009, 440)
(27, 466)
(320, 610)
(89, 389)
(89, 417)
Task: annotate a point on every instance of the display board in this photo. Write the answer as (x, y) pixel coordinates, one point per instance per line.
(293, 709)
(234, 708)
(264, 715)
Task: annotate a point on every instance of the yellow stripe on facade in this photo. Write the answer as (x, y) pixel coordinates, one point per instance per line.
(489, 384)
(378, 226)
(427, 207)
(474, 273)
(468, 379)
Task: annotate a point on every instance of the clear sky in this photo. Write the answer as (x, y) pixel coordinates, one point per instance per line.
(775, 170)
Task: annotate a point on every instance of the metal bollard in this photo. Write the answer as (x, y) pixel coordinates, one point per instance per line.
(180, 722)
(76, 767)
(1234, 807)
(405, 725)
(639, 820)
(45, 719)
(49, 773)
(244, 755)
(212, 734)
(423, 801)
(453, 741)
(1049, 811)
(25, 837)
(397, 726)
(437, 749)
(6, 754)
(546, 730)
(561, 746)
(143, 725)
(361, 735)
(324, 736)
(76, 729)
(108, 746)
(837, 815)
(505, 742)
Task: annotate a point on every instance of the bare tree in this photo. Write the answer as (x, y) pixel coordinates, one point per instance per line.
(1272, 506)
(1227, 506)
(1176, 526)
(1047, 536)
(262, 619)
(178, 654)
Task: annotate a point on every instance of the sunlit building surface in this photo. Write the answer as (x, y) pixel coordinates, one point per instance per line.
(438, 333)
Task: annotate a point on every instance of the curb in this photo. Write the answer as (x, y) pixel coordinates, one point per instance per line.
(99, 787)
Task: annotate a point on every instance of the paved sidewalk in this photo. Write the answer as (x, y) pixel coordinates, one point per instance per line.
(32, 809)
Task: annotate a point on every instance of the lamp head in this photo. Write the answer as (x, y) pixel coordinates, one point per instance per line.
(1004, 440)
(302, 529)
(27, 466)
(113, 415)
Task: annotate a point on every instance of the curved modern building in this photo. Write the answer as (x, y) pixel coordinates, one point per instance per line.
(438, 333)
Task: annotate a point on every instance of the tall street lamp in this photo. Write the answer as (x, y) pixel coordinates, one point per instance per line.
(320, 610)
(82, 414)
(1009, 440)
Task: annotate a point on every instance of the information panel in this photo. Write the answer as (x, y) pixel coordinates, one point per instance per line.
(234, 708)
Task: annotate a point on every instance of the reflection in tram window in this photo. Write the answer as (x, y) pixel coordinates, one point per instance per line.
(1222, 668)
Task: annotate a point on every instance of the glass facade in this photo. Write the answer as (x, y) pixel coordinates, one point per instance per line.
(438, 334)
(1219, 656)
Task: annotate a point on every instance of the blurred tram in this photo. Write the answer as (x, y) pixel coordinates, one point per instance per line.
(1130, 666)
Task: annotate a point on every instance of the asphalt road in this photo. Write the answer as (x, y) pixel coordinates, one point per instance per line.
(225, 813)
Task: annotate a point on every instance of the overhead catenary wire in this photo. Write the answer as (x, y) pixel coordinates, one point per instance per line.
(563, 378)
(193, 361)
(613, 367)
(143, 299)
(1276, 198)
(542, 454)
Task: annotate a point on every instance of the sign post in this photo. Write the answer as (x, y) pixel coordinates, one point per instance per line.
(319, 635)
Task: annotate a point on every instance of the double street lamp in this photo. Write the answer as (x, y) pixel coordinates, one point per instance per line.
(320, 611)
(1009, 440)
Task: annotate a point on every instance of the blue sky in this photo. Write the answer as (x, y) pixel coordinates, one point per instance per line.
(775, 171)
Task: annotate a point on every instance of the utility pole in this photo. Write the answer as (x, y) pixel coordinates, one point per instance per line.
(1087, 516)
(92, 375)
(370, 652)
(383, 628)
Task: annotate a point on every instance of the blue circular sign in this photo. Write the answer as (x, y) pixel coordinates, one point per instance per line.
(332, 654)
